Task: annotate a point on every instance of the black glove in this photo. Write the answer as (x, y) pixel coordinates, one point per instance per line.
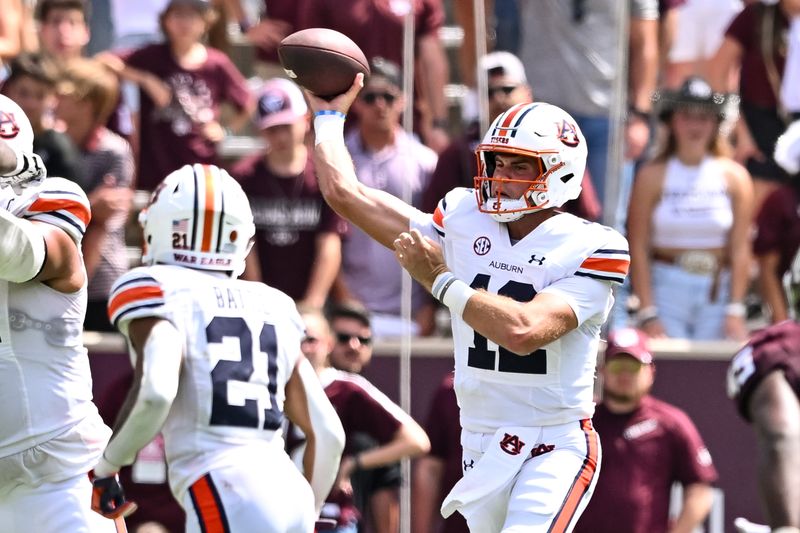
(108, 498)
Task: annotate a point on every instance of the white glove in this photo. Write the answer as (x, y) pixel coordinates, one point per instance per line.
(30, 171)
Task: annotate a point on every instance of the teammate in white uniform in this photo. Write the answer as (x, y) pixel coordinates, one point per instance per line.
(50, 432)
(217, 363)
(528, 288)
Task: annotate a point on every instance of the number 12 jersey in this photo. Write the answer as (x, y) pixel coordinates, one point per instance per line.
(567, 256)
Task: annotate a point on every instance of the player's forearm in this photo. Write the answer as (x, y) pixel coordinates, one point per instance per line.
(150, 402)
(697, 499)
(23, 251)
(521, 328)
(380, 214)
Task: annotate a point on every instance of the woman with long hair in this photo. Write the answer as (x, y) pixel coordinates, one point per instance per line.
(688, 224)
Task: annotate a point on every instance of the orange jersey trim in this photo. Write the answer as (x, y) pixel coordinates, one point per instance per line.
(43, 205)
(619, 266)
(131, 295)
(438, 217)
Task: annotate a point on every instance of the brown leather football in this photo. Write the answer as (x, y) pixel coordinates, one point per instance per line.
(322, 60)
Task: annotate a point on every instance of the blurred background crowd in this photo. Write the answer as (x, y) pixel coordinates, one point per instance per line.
(681, 102)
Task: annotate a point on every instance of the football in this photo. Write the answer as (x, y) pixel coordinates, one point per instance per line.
(321, 60)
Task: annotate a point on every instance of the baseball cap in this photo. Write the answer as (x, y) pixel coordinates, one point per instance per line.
(505, 64)
(629, 341)
(280, 102)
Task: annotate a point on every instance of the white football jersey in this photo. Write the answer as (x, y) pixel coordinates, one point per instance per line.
(46, 384)
(565, 255)
(241, 342)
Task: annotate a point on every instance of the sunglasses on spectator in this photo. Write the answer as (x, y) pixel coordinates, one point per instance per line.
(618, 365)
(345, 338)
(505, 89)
(371, 97)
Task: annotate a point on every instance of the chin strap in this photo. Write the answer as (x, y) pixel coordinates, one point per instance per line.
(22, 249)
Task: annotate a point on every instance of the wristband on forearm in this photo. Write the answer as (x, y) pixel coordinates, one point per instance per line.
(328, 126)
(452, 292)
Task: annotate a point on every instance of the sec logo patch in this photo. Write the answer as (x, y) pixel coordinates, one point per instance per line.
(482, 245)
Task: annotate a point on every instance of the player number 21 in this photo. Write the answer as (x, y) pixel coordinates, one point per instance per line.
(480, 356)
(226, 373)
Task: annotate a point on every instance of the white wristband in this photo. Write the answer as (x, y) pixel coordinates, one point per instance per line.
(328, 126)
(737, 309)
(452, 292)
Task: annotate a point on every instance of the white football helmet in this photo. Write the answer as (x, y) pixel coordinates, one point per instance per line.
(15, 128)
(542, 131)
(16, 131)
(198, 217)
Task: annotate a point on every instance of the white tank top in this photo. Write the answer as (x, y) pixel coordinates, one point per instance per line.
(695, 209)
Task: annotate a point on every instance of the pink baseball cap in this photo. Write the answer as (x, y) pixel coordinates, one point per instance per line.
(279, 102)
(629, 341)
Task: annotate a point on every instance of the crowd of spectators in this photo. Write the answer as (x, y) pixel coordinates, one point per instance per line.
(162, 91)
(120, 97)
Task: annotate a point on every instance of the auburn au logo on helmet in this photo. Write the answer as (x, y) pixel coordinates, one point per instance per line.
(568, 133)
(8, 125)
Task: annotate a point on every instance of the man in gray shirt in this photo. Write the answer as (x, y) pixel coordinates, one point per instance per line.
(384, 157)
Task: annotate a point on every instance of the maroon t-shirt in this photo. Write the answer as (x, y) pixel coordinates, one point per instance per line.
(444, 432)
(644, 452)
(172, 136)
(289, 214)
(778, 226)
(376, 26)
(774, 348)
(754, 87)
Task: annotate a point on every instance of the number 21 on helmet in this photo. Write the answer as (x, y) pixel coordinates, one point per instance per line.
(198, 217)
